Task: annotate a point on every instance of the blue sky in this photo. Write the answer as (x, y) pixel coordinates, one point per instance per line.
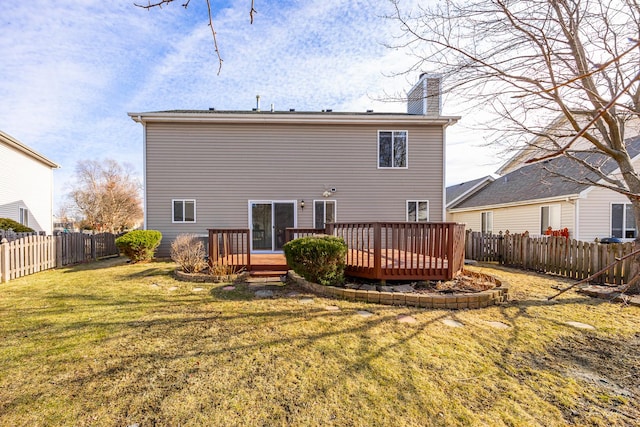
(71, 70)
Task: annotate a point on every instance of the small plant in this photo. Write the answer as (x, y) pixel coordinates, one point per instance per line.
(9, 224)
(223, 270)
(319, 259)
(139, 245)
(187, 251)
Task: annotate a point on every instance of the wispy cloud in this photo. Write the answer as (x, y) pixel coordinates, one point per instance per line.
(70, 70)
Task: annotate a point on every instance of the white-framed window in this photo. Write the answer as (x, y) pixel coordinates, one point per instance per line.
(623, 223)
(417, 210)
(487, 222)
(393, 148)
(550, 217)
(324, 211)
(24, 216)
(184, 210)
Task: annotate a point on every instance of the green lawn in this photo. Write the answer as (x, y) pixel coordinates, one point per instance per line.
(113, 344)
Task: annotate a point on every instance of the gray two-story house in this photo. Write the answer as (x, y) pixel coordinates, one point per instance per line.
(269, 170)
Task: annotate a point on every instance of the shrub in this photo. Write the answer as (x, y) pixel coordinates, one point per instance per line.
(319, 259)
(6, 224)
(187, 251)
(139, 245)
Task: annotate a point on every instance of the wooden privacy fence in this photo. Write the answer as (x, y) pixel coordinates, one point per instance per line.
(14, 235)
(35, 253)
(550, 254)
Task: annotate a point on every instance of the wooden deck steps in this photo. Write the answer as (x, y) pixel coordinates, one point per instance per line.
(267, 273)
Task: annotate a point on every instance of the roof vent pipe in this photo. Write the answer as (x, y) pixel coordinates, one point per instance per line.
(272, 108)
(257, 102)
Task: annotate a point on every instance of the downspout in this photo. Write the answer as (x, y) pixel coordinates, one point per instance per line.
(576, 220)
(144, 172)
(444, 169)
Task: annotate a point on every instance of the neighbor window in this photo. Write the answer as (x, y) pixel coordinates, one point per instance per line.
(184, 211)
(417, 210)
(549, 217)
(487, 222)
(324, 211)
(392, 149)
(623, 224)
(24, 216)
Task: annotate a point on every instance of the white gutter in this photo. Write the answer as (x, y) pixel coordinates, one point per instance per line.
(315, 118)
(562, 198)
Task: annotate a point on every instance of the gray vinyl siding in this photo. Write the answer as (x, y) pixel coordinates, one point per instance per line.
(223, 166)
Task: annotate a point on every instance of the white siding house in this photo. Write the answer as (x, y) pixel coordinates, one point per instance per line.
(26, 185)
(532, 197)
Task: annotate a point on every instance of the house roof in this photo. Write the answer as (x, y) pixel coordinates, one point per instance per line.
(17, 145)
(325, 117)
(455, 193)
(541, 180)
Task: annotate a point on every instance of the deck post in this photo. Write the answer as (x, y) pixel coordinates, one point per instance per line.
(210, 248)
(248, 248)
(377, 250)
(451, 261)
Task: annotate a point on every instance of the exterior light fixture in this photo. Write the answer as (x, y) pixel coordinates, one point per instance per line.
(302, 204)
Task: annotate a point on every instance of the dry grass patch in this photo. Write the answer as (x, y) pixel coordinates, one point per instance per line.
(115, 344)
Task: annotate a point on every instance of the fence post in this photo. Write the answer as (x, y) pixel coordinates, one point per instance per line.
(4, 260)
(58, 251)
(93, 247)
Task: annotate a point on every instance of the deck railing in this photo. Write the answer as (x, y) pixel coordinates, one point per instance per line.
(402, 250)
(376, 250)
(230, 248)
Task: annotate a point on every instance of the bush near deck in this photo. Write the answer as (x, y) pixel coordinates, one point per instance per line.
(319, 259)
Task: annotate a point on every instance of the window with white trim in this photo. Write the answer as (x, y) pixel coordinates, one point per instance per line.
(487, 222)
(324, 211)
(623, 223)
(549, 217)
(417, 210)
(24, 216)
(392, 149)
(184, 210)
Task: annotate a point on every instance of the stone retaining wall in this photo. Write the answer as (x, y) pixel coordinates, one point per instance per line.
(434, 300)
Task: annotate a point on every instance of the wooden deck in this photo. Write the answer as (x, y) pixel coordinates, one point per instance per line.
(379, 251)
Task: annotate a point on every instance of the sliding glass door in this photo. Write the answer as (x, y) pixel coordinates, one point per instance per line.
(268, 222)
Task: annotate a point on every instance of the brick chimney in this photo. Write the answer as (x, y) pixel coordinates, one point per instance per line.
(424, 98)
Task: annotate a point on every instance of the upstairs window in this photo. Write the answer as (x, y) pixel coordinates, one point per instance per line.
(417, 210)
(623, 223)
(184, 211)
(392, 149)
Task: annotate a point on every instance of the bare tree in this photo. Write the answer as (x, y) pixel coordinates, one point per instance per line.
(159, 3)
(561, 77)
(107, 195)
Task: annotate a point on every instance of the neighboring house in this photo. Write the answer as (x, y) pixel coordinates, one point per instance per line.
(457, 193)
(533, 197)
(269, 170)
(26, 185)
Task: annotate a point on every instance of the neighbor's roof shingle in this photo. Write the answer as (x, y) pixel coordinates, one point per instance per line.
(541, 180)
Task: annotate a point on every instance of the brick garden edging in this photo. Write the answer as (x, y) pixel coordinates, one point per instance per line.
(436, 300)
